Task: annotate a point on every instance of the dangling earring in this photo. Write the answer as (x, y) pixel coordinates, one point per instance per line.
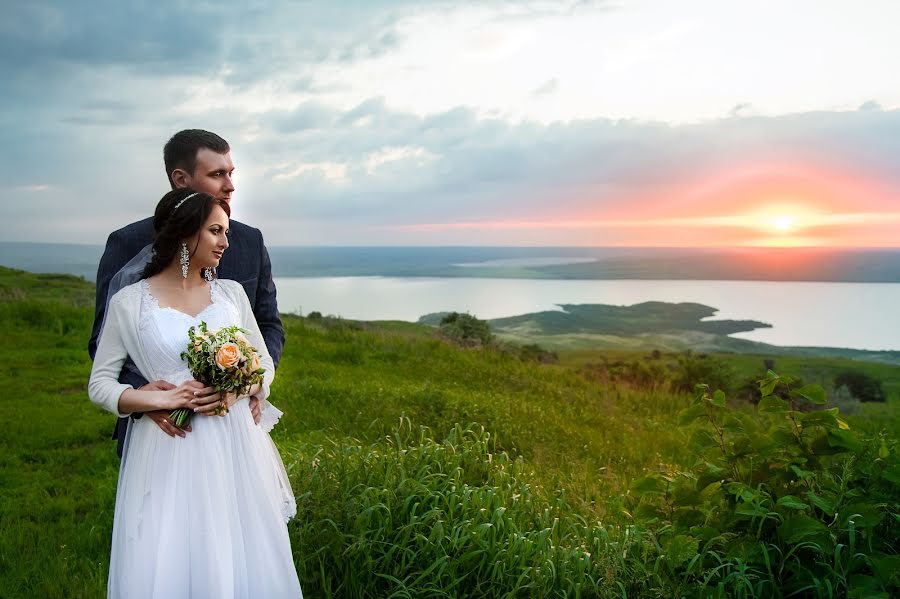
(208, 274)
(185, 260)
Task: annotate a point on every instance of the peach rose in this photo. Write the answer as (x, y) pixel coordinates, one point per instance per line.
(228, 356)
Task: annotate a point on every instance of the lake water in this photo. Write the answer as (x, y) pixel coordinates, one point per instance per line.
(852, 315)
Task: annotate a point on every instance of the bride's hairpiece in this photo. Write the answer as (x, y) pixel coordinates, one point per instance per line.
(183, 200)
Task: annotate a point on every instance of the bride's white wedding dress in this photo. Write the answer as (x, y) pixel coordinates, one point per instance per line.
(203, 515)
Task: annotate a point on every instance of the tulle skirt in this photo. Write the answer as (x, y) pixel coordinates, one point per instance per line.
(203, 516)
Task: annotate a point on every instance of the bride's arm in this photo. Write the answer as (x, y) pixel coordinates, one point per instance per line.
(104, 387)
(183, 396)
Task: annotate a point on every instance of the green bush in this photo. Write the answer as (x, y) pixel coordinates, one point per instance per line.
(693, 369)
(795, 501)
(465, 330)
(533, 352)
(862, 386)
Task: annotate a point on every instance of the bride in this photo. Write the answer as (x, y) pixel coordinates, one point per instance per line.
(204, 515)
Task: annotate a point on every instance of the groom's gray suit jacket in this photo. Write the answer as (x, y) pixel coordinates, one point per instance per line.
(246, 261)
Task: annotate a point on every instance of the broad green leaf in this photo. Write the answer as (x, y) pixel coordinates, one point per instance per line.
(686, 497)
(792, 503)
(820, 502)
(843, 439)
(709, 474)
(801, 528)
(688, 518)
(866, 587)
(892, 474)
(681, 549)
(735, 422)
(770, 403)
(813, 393)
(718, 399)
(691, 414)
(648, 484)
(767, 385)
(648, 512)
(701, 440)
(826, 418)
(862, 514)
(885, 566)
(710, 490)
(750, 510)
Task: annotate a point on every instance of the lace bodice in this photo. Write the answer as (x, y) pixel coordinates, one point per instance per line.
(164, 331)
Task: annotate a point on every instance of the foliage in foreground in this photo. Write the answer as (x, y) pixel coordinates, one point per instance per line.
(795, 498)
(580, 443)
(414, 517)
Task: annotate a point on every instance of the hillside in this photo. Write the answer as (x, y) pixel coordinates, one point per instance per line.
(651, 326)
(526, 480)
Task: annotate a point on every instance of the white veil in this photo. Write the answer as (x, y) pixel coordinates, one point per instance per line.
(130, 273)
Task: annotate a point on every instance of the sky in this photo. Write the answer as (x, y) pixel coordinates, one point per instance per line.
(527, 123)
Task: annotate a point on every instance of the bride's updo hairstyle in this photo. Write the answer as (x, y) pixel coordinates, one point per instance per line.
(179, 215)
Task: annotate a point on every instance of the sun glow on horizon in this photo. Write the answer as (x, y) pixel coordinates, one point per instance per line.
(783, 224)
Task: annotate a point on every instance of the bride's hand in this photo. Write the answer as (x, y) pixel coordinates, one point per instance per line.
(216, 404)
(188, 394)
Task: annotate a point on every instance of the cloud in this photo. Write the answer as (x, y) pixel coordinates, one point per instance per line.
(367, 117)
(547, 88)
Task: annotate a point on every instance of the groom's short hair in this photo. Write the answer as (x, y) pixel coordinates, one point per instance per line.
(181, 150)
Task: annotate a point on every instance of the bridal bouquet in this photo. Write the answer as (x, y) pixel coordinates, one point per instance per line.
(223, 359)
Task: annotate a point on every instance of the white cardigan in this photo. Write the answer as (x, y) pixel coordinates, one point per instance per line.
(120, 338)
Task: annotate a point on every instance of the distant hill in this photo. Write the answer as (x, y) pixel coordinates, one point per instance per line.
(648, 326)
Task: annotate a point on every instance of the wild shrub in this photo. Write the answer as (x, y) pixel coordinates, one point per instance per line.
(861, 385)
(693, 369)
(465, 330)
(645, 374)
(781, 501)
(533, 352)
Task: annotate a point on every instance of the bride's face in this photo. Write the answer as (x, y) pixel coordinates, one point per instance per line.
(211, 241)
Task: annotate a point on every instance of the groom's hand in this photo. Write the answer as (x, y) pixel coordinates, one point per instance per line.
(254, 409)
(161, 417)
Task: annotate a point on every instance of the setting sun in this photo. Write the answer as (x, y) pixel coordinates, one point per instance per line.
(783, 224)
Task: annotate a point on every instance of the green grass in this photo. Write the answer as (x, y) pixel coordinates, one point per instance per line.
(421, 469)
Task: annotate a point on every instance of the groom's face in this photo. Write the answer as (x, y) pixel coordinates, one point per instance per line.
(212, 175)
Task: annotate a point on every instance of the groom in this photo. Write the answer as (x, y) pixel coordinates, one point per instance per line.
(200, 160)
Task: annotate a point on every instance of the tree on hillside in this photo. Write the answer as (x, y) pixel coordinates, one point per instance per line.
(465, 330)
(861, 385)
